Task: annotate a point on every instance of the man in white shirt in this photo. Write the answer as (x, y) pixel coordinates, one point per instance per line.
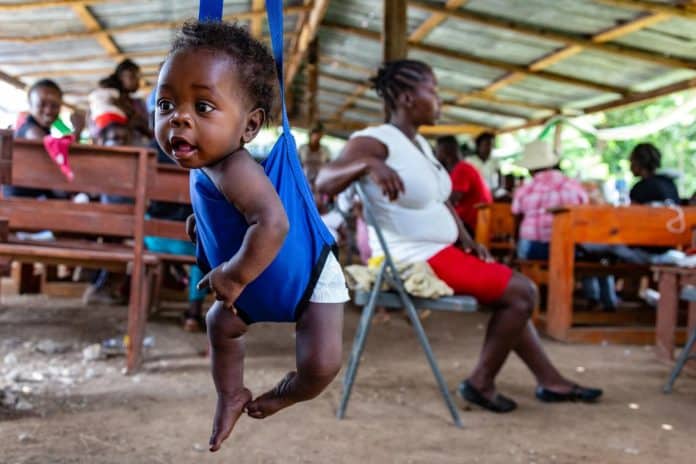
(482, 160)
(314, 155)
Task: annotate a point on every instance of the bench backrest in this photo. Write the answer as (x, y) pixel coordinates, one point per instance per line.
(98, 170)
(628, 225)
(495, 225)
(171, 184)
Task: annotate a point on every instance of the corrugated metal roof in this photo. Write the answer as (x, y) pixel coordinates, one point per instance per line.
(469, 51)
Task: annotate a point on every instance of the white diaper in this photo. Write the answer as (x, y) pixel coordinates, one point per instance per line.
(331, 286)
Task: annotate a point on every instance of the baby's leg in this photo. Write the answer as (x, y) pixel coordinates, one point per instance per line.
(226, 335)
(318, 345)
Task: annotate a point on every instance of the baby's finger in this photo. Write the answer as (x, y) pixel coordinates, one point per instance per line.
(204, 282)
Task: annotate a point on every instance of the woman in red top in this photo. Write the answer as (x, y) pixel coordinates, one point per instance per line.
(468, 187)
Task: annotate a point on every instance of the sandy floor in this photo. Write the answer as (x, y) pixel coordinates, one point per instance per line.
(87, 412)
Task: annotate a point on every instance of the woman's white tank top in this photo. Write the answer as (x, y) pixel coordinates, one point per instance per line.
(418, 224)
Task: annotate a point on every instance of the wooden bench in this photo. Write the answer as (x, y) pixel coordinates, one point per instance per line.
(98, 170)
(171, 184)
(625, 225)
(496, 228)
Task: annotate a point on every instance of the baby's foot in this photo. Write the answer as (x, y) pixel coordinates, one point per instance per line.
(273, 400)
(227, 411)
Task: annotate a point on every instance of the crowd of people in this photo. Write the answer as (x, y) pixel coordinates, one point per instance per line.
(424, 200)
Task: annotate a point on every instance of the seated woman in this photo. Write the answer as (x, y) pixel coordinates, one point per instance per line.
(468, 187)
(550, 188)
(407, 190)
(45, 102)
(652, 187)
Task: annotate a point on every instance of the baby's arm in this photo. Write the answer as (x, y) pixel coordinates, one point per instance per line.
(245, 185)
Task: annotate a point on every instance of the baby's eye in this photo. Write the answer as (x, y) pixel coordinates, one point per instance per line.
(165, 106)
(203, 107)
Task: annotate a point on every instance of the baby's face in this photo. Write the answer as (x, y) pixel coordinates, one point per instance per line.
(202, 114)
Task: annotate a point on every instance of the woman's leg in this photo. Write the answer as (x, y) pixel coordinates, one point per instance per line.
(226, 335)
(505, 327)
(318, 349)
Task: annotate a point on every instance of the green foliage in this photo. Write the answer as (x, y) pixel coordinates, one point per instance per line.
(585, 158)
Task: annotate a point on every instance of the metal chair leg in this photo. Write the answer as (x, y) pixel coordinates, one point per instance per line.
(684, 356)
(423, 339)
(359, 344)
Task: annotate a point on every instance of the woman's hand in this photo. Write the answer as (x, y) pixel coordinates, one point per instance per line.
(191, 228)
(225, 288)
(386, 178)
(480, 251)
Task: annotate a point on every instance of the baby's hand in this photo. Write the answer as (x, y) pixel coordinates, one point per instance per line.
(191, 228)
(225, 288)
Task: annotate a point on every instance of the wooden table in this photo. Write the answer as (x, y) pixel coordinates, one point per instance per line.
(604, 224)
(671, 280)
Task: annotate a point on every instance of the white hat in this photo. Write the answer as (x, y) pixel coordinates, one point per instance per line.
(538, 155)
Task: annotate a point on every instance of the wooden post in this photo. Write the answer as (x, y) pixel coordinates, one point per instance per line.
(557, 138)
(483, 225)
(394, 30)
(312, 82)
(559, 311)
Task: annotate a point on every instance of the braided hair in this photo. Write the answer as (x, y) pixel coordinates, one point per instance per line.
(396, 77)
(647, 156)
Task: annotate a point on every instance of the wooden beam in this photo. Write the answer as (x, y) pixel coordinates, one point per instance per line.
(394, 30)
(554, 57)
(631, 99)
(139, 27)
(634, 25)
(312, 82)
(5, 7)
(452, 129)
(257, 21)
(434, 20)
(669, 9)
(145, 70)
(362, 88)
(12, 80)
(73, 59)
(489, 62)
(309, 30)
(462, 97)
(92, 24)
(568, 39)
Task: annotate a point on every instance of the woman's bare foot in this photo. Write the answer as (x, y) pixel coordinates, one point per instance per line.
(273, 400)
(227, 411)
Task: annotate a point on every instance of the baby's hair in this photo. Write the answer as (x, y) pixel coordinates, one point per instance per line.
(251, 58)
(647, 156)
(396, 77)
(44, 84)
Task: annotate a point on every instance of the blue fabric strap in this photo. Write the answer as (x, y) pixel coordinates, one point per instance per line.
(274, 9)
(210, 10)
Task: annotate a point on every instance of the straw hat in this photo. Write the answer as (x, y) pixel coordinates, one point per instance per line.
(538, 155)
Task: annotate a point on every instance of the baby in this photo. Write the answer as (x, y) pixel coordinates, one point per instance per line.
(266, 261)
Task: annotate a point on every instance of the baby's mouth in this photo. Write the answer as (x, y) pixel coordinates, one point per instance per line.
(181, 148)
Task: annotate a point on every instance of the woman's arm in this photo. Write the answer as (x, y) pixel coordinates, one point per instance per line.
(245, 185)
(360, 157)
(466, 242)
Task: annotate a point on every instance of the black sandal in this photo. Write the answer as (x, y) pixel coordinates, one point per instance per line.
(499, 403)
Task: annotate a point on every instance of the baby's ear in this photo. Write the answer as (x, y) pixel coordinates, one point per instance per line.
(255, 121)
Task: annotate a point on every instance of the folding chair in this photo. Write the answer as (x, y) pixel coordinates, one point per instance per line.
(687, 294)
(397, 299)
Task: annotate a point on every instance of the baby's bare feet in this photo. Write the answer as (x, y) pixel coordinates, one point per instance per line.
(227, 411)
(273, 400)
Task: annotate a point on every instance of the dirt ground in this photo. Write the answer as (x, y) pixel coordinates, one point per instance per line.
(70, 410)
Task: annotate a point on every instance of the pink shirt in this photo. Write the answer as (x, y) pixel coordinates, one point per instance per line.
(548, 189)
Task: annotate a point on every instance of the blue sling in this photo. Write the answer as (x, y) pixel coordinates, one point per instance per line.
(283, 290)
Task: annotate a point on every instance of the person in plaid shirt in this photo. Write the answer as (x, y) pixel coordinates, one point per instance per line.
(550, 188)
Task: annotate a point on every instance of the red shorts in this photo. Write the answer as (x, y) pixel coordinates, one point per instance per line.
(468, 275)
